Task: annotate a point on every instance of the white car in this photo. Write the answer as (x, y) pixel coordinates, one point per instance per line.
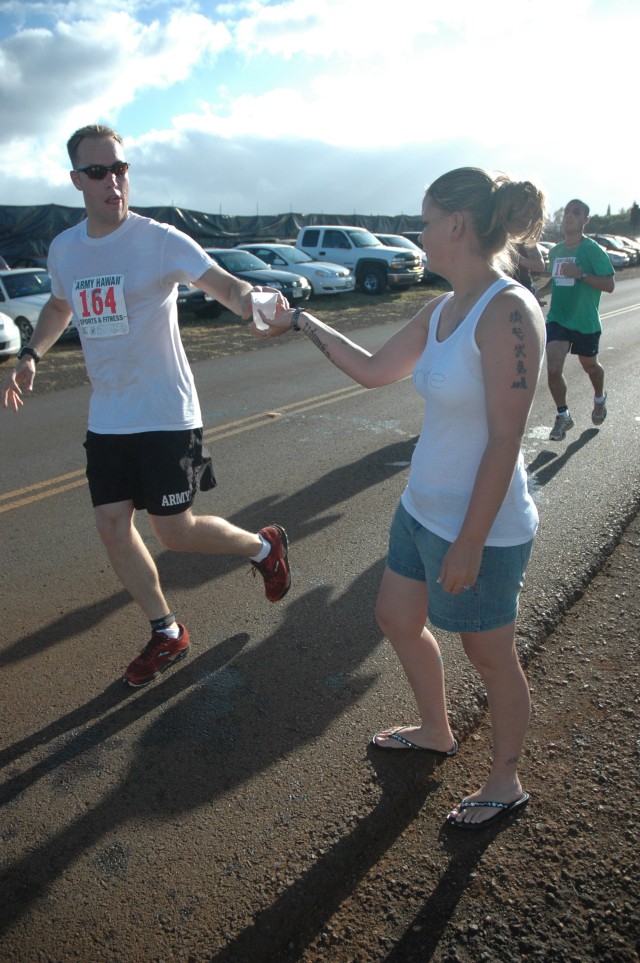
(618, 259)
(10, 340)
(324, 278)
(23, 294)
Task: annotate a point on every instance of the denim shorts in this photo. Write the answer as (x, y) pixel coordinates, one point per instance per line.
(417, 553)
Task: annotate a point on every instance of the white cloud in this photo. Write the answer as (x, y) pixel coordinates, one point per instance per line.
(369, 107)
(351, 28)
(104, 61)
(92, 67)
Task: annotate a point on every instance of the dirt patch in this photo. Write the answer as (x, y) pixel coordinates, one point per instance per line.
(559, 882)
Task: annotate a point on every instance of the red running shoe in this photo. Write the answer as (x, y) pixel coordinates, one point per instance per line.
(275, 567)
(159, 653)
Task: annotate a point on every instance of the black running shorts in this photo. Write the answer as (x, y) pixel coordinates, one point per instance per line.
(159, 471)
(584, 345)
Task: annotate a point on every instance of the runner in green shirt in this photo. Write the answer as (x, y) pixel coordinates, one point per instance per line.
(580, 271)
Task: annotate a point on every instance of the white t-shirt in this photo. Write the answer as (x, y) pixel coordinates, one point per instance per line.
(123, 292)
(454, 436)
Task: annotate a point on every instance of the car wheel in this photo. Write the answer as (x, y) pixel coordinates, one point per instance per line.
(26, 330)
(373, 280)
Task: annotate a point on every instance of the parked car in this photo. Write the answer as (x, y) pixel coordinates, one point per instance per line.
(193, 299)
(20, 262)
(375, 265)
(23, 293)
(618, 259)
(415, 236)
(629, 247)
(323, 276)
(10, 340)
(610, 243)
(243, 264)
(630, 242)
(401, 240)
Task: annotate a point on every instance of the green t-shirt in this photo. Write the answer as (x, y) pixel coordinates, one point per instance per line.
(574, 304)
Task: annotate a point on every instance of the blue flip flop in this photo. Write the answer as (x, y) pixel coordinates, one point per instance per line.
(503, 810)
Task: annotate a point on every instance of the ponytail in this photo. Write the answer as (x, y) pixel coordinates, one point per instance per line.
(501, 210)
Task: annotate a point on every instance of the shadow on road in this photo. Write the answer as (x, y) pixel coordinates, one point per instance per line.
(303, 513)
(422, 936)
(547, 464)
(86, 737)
(201, 741)
(296, 917)
(203, 745)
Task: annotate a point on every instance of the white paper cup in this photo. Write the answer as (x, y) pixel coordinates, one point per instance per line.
(266, 302)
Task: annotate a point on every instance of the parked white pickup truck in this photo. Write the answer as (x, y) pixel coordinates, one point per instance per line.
(374, 265)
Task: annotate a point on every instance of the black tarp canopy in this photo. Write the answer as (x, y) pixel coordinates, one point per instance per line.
(26, 232)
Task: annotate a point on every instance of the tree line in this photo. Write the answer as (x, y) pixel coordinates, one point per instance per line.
(625, 223)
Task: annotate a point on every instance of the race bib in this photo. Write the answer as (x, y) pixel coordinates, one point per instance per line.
(100, 307)
(559, 278)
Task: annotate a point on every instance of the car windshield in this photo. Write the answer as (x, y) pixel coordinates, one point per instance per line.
(614, 243)
(293, 255)
(26, 283)
(395, 240)
(234, 261)
(364, 239)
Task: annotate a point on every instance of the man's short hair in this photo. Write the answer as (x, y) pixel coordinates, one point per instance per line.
(576, 200)
(96, 131)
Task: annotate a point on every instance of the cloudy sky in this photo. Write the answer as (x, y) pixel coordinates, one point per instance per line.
(322, 106)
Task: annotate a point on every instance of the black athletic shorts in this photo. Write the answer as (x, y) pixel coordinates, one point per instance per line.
(586, 345)
(159, 471)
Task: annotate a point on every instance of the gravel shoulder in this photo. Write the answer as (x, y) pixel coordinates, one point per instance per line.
(558, 882)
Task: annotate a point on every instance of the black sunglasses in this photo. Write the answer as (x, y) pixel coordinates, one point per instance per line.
(97, 172)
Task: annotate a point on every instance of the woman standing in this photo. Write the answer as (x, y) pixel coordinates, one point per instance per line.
(463, 531)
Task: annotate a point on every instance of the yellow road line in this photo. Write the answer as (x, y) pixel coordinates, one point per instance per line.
(265, 418)
(51, 481)
(75, 479)
(20, 502)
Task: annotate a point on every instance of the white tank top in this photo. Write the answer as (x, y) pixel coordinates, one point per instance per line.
(454, 436)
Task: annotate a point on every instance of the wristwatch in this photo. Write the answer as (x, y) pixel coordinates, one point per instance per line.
(27, 349)
(294, 319)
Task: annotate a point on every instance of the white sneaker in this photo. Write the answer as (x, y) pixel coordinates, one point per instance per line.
(561, 427)
(599, 412)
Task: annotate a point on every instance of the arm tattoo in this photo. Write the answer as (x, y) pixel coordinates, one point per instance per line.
(519, 351)
(313, 336)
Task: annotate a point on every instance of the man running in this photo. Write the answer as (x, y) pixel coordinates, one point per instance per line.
(580, 271)
(117, 273)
